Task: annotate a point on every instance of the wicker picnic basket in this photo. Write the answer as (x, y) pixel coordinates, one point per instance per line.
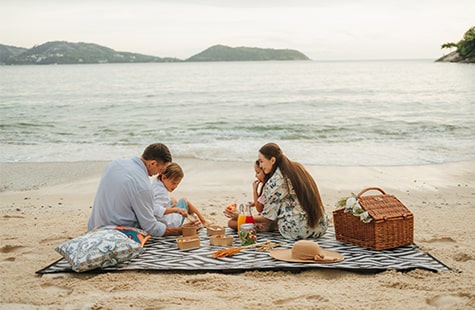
(392, 225)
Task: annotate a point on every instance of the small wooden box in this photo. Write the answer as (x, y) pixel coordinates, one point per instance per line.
(215, 230)
(392, 225)
(189, 230)
(221, 240)
(190, 242)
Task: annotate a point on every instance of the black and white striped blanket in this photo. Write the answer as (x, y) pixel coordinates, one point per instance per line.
(162, 254)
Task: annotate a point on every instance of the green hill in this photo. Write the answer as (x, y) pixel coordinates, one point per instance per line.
(226, 53)
(62, 52)
(8, 52)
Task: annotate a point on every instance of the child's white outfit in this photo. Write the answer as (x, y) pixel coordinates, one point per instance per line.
(161, 201)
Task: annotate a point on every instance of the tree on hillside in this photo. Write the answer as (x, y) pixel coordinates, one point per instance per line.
(466, 46)
(449, 45)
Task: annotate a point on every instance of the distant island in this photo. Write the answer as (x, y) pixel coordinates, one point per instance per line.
(226, 53)
(465, 49)
(62, 52)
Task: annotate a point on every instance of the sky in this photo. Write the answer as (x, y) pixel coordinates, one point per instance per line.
(321, 29)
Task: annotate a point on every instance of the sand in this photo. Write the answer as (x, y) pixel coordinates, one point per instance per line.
(45, 204)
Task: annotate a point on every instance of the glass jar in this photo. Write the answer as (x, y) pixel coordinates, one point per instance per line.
(247, 234)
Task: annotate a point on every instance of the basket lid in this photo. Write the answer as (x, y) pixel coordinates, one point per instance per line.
(383, 207)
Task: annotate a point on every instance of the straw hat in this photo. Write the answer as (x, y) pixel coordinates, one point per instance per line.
(306, 251)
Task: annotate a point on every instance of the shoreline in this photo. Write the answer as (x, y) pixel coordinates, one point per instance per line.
(45, 204)
(24, 176)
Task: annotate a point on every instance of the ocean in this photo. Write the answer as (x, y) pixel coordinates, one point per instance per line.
(343, 113)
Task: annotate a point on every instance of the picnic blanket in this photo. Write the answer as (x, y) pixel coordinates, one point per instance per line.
(162, 254)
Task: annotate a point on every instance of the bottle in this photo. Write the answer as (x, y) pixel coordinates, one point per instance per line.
(249, 217)
(241, 218)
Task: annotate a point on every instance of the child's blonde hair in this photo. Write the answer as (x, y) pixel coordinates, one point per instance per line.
(173, 171)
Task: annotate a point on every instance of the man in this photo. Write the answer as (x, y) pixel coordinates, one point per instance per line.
(124, 196)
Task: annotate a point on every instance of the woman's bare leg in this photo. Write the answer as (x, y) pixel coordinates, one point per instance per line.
(263, 224)
(232, 224)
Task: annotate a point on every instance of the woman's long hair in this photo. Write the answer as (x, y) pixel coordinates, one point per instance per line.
(302, 181)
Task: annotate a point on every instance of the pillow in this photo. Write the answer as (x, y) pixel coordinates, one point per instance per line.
(99, 248)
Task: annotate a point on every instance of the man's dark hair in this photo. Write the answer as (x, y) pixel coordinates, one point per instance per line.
(158, 152)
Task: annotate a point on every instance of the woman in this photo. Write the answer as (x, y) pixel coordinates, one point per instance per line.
(292, 199)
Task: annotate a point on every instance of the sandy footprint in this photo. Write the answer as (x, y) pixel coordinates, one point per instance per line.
(463, 257)
(55, 240)
(56, 290)
(447, 301)
(18, 251)
(307, 299)
(10, 248)
(7, 216)
(10, 259)
(210, 282)
(441, 240)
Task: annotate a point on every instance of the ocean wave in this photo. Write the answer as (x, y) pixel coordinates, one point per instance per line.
(332, 113)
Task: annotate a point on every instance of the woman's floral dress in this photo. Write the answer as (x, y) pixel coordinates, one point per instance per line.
(281, 204)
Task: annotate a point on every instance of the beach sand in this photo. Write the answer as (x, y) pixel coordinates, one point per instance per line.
(45, 204)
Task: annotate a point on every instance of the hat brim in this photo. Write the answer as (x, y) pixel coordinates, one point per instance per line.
(328, 256)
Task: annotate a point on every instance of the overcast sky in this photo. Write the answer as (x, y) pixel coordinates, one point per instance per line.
(321, 29)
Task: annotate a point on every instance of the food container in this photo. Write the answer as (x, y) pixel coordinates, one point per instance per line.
(190, 242)
(247, 234)
(213, 230)
(189, 230)
(221, 240)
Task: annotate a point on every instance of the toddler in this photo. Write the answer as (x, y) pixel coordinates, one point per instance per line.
(169, 210)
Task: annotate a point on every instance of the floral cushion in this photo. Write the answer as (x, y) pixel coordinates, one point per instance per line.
(99, 248)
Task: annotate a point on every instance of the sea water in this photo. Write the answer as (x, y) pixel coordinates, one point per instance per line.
(323, 113)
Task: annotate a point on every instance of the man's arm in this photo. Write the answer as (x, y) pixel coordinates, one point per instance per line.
(143, 208)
